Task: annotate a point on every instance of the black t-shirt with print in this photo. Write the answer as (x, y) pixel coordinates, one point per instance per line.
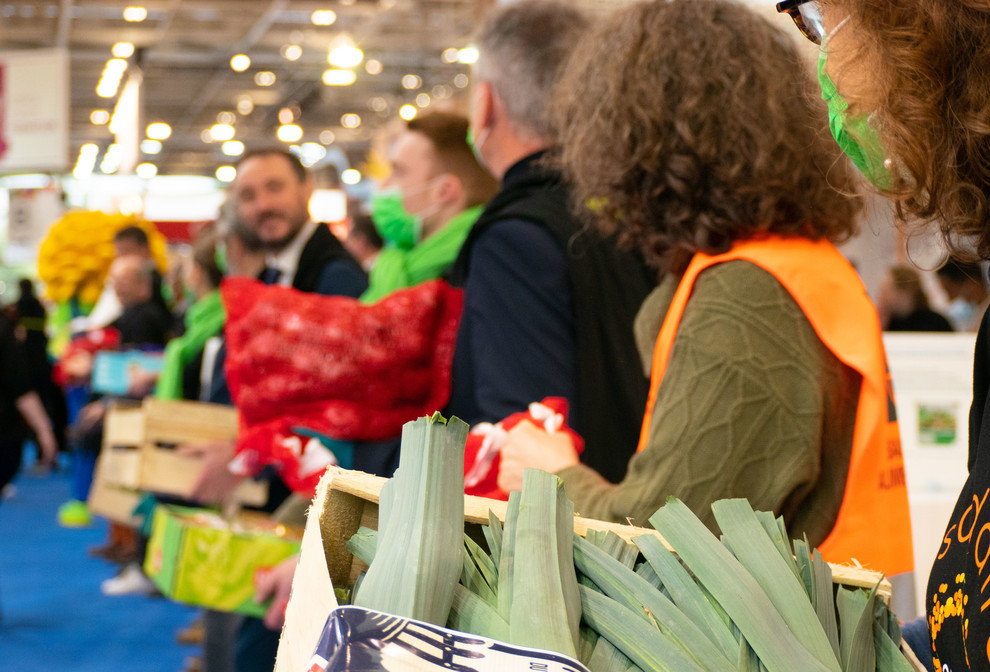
(958, 597)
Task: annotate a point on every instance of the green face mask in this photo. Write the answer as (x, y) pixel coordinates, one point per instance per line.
(393, 222)
(856, 137)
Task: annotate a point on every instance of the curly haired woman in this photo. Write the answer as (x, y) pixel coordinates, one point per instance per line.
(692, 127)
(908, 88)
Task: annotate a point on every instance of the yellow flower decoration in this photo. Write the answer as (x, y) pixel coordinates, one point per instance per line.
(75, 256)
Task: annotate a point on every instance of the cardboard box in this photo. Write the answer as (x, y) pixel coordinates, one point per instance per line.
(196, 557)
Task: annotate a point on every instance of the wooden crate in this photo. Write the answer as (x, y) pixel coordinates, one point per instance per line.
(347, 500)
(352, 502)
(138, 453)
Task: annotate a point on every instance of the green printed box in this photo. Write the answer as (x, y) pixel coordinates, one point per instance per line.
(197, 557)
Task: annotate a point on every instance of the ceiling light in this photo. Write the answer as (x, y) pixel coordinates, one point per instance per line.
(135, 14)
(291, 52)
(107, 88)
(407, 112)
(286, 116)
(350, 176)
(339, 77)
(245, 105)
(373, 67)
(412, 82)
(311, 152)
(123, 50)
(146, 171)
(240, 62)
(99, 117)
(423, 100)
(205, 136)
(159, 130)
(289, 133)
(110, 79)
(86, 161)
(221, 132)
(345, 55)
(449, 55)
(226, 173)
(327, 137)
(151, 146)
(264, 78)
(232, 148)
(350, 121)
(226, 118)
(347, 2)
(378, 104)
(461, 81)
(111, 160)
(442, 91)
(468, 55)
(323, 17)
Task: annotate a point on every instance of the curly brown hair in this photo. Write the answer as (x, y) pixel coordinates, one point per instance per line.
(930, 62)
(692, 125)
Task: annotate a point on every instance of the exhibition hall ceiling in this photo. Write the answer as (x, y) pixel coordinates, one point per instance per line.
(183, 50)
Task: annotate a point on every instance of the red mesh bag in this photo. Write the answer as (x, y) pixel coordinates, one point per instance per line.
(482, 454)
(352, 371)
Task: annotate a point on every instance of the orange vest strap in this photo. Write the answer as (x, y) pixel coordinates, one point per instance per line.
(873, 526)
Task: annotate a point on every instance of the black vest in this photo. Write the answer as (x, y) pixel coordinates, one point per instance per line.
(608, 286)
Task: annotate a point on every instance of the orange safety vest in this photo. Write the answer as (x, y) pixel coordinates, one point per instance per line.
(874, 524)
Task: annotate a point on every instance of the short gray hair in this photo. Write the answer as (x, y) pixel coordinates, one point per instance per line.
(523, 47)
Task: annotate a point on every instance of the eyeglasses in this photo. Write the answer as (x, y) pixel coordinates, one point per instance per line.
(807, 16)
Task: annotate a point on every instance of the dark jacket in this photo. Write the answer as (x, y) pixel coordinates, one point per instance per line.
(579, 346)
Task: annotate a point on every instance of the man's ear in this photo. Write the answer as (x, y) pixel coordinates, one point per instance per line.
(452, 189)
(485, 102)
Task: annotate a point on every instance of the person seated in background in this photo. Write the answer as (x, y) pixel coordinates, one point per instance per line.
(691, 123)
(548, 302)
(965, 285)
(363, 241)
(426, 207)
(903, 304)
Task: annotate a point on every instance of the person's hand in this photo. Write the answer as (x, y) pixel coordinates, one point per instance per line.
(78, 366)
(141, 383)
(90, 415)
(530, 446)
(215, 482)
(48, 448)
(275, 583)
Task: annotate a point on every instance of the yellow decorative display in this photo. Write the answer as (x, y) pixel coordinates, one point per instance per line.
(75, 257)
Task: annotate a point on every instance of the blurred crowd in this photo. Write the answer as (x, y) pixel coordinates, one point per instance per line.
(640, 217)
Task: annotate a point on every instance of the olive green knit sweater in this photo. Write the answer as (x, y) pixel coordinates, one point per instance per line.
(752, 405)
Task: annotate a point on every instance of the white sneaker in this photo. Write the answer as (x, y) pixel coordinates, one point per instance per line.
(130, 581)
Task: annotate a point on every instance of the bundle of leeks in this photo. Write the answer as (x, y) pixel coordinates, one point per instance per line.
(751, 601)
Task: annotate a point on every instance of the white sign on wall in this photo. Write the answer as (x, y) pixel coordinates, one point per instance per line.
(34, 111)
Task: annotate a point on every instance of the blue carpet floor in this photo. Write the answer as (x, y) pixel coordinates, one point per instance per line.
(53, 614)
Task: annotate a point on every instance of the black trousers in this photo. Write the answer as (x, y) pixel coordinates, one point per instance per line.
(11, 450)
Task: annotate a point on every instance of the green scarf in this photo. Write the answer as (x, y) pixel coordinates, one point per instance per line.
(396, 268)
(204, 320)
